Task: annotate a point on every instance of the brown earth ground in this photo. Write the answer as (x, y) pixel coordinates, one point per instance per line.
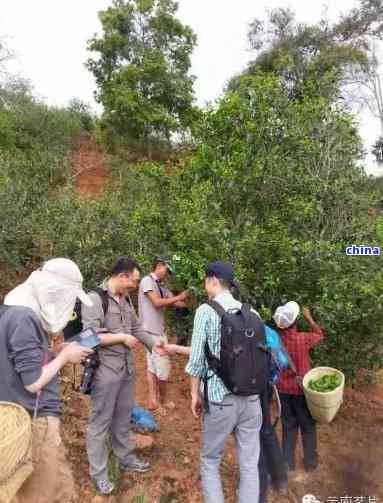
(351, 448)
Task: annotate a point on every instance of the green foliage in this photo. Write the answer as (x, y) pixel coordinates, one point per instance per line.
(34, 143)
(141, 70)
(82, 112)
(275, 183)
(275, 188)
(30, 125)
(323, 54)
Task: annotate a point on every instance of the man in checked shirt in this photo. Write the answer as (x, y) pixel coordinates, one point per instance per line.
(295, 413)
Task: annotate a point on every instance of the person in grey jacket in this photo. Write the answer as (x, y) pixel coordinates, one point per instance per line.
(112, 395)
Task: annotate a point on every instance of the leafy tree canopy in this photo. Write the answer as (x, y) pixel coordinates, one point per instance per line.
(142, 68)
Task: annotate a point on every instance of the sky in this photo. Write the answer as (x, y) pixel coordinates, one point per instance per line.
(49, 40)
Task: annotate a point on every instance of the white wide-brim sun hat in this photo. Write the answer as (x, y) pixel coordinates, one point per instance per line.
(286, 314)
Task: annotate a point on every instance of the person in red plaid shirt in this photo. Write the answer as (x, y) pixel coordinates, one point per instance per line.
(295, 413)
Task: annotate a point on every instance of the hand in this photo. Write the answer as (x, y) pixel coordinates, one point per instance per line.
(74, 353)
(160, 349)
(171, 349)
(183, 296)
(196, 405)
(306, 313)
(299, 381)
(130, 341)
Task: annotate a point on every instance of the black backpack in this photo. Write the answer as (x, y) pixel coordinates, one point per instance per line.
(243, 364)
(74, 326)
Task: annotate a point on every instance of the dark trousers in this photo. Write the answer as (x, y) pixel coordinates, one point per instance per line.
(263, 477)
(296, 416)
(271, 465)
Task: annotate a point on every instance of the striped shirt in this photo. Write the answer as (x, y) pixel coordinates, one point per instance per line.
(207, 327)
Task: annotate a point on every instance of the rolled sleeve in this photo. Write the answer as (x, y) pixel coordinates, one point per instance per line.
(196, 366)
(26, 349)
(146, 284)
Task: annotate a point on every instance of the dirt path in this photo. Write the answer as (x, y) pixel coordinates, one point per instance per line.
(89, 171)
(351, 451)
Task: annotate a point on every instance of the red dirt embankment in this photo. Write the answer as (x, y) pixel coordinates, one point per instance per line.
(89, 169)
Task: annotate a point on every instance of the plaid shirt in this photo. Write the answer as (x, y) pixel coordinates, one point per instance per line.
(298, 345)
(207, 327)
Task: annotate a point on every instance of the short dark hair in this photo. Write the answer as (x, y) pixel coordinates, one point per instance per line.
(225, 284)
(124, 264)
(222, 282)
(157, 261)
(160, 260)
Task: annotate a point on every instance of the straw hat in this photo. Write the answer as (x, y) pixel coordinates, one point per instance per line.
(15, 449)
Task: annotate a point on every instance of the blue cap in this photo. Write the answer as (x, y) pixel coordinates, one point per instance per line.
(221, 270)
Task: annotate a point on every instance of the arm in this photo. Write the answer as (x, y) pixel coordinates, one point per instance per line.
(148, 340)
(73, 353)
(113, 339)
(93, 317)
(27, 352)
(196, 400)
(317, 335)
(161, 302)
(175, 349)
(196, 364)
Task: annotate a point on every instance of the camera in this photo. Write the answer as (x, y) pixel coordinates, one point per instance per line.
(90, 365)
(89, 339)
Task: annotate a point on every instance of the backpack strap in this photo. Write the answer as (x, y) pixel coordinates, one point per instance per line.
(217, 307)
(104, 298)
(209, 355)
(247, 311)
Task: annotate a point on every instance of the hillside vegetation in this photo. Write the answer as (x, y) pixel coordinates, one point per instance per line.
(269, 179)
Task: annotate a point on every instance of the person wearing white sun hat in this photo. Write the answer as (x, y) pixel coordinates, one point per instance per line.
(295, 413)
(29, 371)
(285, 315)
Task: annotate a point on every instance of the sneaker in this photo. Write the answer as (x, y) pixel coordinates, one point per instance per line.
(136, 465)
(104, 487)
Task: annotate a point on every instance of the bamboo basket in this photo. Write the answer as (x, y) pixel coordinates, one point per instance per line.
(323, 406)
(15, 449)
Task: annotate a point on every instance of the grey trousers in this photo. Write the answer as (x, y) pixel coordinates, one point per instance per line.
(112, 401)
(243, 417)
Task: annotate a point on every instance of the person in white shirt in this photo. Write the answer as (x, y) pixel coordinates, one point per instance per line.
(153, 299)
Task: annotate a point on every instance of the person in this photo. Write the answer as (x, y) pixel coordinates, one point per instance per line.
(271, 463)
(295, 413)
(29, 370)
(153, 299)
(270, 452)
(112, 394)
(228, 412)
